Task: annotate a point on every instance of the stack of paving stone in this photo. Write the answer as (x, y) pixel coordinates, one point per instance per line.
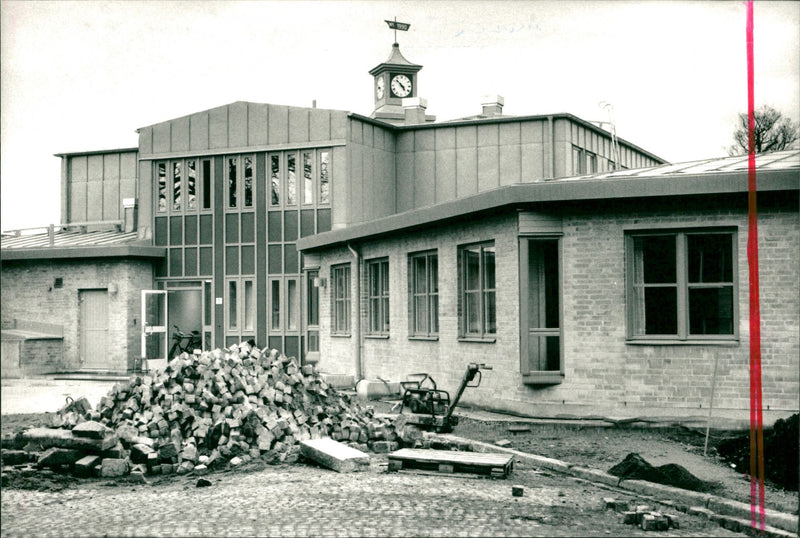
(224, 408)
(643, 516)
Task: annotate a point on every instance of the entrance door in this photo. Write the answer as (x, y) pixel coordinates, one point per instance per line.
(540, 309)
(185, 312)
(154, 326)
(94, 328)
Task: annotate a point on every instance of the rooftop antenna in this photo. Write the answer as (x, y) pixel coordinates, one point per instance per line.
(612, 128)
(394, 25)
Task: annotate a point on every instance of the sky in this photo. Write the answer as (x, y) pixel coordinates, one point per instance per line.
(82, 76)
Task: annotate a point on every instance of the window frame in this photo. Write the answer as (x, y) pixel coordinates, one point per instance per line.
(431, 322)
(683, 286)
(341, 271)
(483, 335)
(378, 268)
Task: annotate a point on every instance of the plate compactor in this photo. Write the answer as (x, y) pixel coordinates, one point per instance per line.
(431, 408)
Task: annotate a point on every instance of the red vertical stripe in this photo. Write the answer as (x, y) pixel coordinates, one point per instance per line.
(756, 412)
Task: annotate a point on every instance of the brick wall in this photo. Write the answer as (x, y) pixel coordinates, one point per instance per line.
(29, 294)
(445, 359)
(41, 355)
(603, 373)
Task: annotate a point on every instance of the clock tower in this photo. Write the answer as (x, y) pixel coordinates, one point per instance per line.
(394, 80)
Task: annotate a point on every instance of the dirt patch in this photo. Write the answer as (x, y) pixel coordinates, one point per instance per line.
(601, 447)
(13, 424)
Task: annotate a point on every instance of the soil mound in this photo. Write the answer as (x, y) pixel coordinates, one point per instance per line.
(636, 467)
(781, 459)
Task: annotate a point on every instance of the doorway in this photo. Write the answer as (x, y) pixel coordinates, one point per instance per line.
(94, 329)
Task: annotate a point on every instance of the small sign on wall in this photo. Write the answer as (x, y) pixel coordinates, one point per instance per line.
(218, 300)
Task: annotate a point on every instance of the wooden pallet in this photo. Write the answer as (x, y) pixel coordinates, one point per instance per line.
(449, 461)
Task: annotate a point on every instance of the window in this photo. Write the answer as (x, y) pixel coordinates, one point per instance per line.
(312, 310)
(191, 185)
(241, 311)
(378, 296)
(540, 310)
(162, 187)
(681, 285)
(232, 162)
(578, 161)
(308, 179)
(275, 179)
(340, 279)
(478, 318)
(206, 184)
(423, 286)
(324, 189)
(291, 179)
(276, 304)
(591, 163)
(248, 181)
(176, 186)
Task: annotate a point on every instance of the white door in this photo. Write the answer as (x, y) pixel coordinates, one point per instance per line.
(154, 327)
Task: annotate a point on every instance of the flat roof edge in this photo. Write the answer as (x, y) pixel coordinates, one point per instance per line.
(62, 253)
(557, 191)
(96, 152)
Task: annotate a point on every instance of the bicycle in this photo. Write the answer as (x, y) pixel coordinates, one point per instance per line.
(193, 342)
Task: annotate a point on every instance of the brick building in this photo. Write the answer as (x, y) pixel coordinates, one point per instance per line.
(590, 274)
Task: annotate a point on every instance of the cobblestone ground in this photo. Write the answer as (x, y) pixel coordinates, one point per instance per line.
(302, 500)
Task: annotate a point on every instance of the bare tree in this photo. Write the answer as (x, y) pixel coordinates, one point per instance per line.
(773, 132)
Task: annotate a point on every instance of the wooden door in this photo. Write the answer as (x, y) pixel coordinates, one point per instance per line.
(94, 329)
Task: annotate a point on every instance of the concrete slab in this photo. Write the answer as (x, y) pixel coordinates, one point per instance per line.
(333, 454)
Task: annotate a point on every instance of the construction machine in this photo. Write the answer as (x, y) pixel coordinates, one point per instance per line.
(430, 407)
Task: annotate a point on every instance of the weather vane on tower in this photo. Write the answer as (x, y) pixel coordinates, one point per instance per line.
(394, 25)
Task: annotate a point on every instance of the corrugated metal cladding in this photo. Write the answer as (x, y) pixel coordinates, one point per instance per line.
(392, 170)
(95, 185)
(241, 125)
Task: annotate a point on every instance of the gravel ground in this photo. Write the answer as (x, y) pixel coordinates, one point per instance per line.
(603, 447)
(596, 447)
(304, 500)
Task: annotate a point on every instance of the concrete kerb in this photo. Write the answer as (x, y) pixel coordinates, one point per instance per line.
(719, 508)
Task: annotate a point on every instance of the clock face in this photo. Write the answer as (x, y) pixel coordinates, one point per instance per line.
(401, 86)
(379, 83)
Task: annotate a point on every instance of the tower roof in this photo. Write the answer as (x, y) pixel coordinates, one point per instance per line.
(396, 59)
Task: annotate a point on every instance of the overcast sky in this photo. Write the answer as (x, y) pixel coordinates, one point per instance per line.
(85, 75)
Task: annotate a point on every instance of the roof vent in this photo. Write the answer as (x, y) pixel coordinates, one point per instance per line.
(492, 105)
(414, 108)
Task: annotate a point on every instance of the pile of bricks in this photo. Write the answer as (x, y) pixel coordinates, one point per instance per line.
(642, 516)
(217, 409)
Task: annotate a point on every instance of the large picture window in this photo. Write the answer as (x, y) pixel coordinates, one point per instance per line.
(477, 315)
(340, 289)
(681, 285)
(378, 296)
(423, 288)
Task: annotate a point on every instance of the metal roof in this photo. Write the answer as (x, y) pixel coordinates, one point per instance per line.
(779, 171)
(779, 160)
(68, 239)
(75, 245)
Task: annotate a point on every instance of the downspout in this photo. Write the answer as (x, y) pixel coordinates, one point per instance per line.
(552, 147)
(357, 322)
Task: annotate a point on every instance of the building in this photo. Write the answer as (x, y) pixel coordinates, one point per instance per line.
(392, 244)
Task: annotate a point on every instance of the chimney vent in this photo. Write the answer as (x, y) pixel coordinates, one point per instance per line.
(129, 214)
(492, 105)
(414, 108)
